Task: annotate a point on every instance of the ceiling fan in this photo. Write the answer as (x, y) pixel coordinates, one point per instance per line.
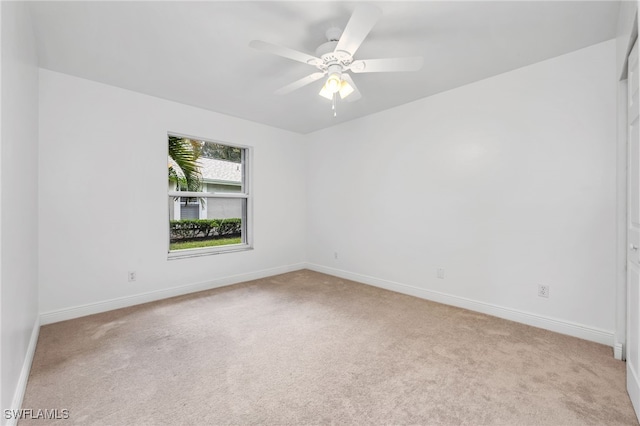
(335, 57)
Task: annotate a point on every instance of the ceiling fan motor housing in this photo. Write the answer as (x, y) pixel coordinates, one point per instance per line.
(326, 48)
(330, 56)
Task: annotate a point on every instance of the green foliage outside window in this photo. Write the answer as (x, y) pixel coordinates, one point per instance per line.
(201, 229)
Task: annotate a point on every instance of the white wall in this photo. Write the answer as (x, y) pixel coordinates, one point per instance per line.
(18, 189)
(103, 198)
(506, 183)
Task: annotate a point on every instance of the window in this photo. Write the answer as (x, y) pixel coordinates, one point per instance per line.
(209, 201)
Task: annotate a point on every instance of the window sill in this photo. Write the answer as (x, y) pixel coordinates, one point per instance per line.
(182, 254)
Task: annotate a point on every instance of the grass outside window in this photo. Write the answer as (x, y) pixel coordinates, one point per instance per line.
(206, 243)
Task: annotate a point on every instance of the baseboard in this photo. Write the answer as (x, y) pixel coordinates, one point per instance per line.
(559, 326)
(21, 386)
(618, 351)
(564, 327)
(123, 302)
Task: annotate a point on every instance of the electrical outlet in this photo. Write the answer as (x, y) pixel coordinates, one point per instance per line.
(132, 276)
(440, 273)
(543, 291)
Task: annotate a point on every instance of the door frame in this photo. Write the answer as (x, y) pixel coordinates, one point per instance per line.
(620, 337)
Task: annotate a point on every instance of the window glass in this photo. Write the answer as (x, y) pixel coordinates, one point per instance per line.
(208, 197)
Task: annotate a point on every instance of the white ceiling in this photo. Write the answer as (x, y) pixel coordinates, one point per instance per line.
(197, 53)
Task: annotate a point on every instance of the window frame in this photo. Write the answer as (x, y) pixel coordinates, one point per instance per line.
(247, 214)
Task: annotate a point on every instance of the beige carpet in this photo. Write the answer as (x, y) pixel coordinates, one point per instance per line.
(307, 348)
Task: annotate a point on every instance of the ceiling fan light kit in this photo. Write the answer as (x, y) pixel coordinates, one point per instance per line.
(334, 58)
(334, 80)
(345, 89)
(333, 86)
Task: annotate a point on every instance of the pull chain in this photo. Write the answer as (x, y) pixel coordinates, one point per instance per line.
(333, 105)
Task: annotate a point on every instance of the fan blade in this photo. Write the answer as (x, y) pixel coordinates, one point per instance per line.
(285, 52)
(387, 65)
(364, 17)
(300, 83)
(355, 95)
